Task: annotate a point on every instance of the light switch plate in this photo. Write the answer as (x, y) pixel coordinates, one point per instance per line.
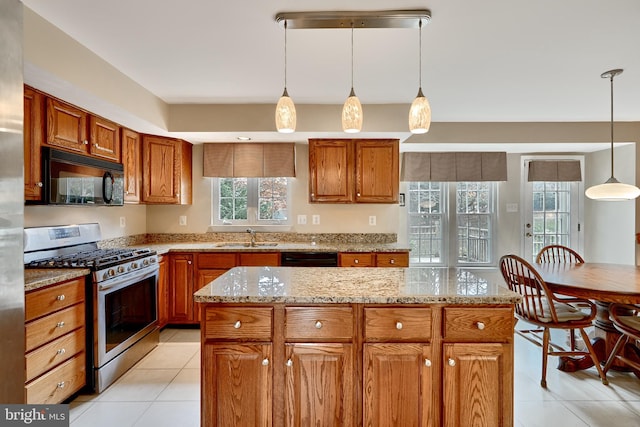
(183, 220)
(123, 222)
(302, 219)
(315, 219)
(372, 220)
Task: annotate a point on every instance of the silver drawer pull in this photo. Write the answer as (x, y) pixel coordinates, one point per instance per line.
(480, 325)
(427, 363)
(318, 325)
(399, 325)
(60, 325)
(60, 384)
(60, 297)
(355, 261)
(393, 261)
(237, 325)
(289, 362)
(452, 362)
(61, 351)
(265, 362)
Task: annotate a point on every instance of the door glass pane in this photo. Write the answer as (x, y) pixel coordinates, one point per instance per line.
(426, 223)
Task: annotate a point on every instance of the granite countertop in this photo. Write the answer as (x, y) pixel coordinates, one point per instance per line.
(35, 278)
(163, 248)
(316, 285)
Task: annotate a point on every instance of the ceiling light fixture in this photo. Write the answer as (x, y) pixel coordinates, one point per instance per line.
(420, 112)
(612, 189)
(352, 109)
(285, 110)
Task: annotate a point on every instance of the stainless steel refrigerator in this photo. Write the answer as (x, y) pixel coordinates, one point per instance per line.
(11, 204)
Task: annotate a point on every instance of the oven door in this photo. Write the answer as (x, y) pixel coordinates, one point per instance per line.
(126, 311)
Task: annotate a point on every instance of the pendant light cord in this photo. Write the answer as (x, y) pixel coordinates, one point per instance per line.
(420, 55)
(285, 55)
(611, 79)
(352, 56)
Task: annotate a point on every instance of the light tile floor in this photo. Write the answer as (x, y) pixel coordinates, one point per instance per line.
(163, 389)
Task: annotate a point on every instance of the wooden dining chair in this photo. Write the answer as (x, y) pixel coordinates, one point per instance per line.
(626, 320)
(556, 254)
(547, 311)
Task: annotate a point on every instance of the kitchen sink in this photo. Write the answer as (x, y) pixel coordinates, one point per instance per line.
(245, 244)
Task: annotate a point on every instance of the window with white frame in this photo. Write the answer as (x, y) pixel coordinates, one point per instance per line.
(251, 201)
(470, 211)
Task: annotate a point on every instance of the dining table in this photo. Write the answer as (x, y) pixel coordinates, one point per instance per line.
(604, 284)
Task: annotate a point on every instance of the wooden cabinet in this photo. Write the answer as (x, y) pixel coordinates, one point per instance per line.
(33, 138)
(209, 267)
(163, 290)
(270, 259)
(373, 259)
(357, 364)
(72, 129)
(55, 342)
(166, 170)
(354, 170)
(132, 162)
(181, 270)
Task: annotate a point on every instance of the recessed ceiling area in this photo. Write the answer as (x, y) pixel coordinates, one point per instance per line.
(494, 61)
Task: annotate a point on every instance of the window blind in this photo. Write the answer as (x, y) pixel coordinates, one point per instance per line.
(255, 160)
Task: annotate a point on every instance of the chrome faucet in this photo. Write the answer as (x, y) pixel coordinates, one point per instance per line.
(253, 236)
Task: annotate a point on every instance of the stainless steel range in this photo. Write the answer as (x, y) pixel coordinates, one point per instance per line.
(121, 295)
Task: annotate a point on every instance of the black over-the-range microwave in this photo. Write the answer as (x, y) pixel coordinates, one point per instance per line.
(73, 179)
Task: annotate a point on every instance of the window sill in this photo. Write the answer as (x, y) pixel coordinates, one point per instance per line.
(214, 228)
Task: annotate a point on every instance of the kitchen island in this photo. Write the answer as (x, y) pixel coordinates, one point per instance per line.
(284, 346)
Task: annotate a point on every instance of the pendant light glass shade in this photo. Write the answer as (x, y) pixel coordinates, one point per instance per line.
(420, 112)
(352, 110)
(612, 190)
(285, 109)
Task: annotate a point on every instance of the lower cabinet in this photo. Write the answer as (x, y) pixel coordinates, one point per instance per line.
(356, 365)
(181, 270)
(163, 290)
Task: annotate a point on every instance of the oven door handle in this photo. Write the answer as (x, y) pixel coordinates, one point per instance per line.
(123, 281)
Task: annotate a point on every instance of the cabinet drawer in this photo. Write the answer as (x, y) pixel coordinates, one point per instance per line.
(319, 323)
(259, 259)
(394, 259)
(47, 300)
(397, 324)
(216, 260)
(45, 329)
(59, 383)
(363, 259)
(238, 323)
(46, 357)
(478, 324)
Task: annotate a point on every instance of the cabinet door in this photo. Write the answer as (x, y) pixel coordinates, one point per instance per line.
(377, 171)
(104, 139)
(319, 389)
(160, 170)
(33, 137)
(66, 126)
(132, 161)
(478, 385)
(204, 277)
(181, 288)
(259, 258)
(330, 171)
(398, 385)
(163, 291)
(237, 385)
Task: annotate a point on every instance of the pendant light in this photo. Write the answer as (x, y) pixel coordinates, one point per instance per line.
(612, 189)
(420, 112)
(352, 109)
(285, 110)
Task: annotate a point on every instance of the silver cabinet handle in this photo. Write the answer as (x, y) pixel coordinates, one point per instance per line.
(480, 325)
(358, 194)
(289, 362)
(85, 142)
(399, 325)
(356, 261)
(61, 351)
(318, 325)
(393, 261)
(60, 324)
(427, 363)
(265, 362)
(237, 325)
(39, 184)
(60, 297)
(189, 262)
(60, 384)
(451, 362)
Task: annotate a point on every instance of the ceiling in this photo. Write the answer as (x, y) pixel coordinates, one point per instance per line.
(488, 61)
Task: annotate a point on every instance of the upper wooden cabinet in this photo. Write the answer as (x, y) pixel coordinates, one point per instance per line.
(354, 170)
(73, 129)
(166, 170)
(33, 137)
(132, 161)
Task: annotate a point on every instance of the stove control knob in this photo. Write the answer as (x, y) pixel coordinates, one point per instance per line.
(120, 269)
(145, 262)
(134, 265)
(111, 272)
(153, 260)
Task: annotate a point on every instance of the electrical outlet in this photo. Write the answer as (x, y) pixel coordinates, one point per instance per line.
(372, 220)
(315, 219)
(302, 219)
(123, 222)
(183, 220)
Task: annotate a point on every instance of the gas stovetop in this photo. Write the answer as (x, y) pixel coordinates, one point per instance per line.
(94, 259)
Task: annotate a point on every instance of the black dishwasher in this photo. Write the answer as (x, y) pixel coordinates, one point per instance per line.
(309, 259)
